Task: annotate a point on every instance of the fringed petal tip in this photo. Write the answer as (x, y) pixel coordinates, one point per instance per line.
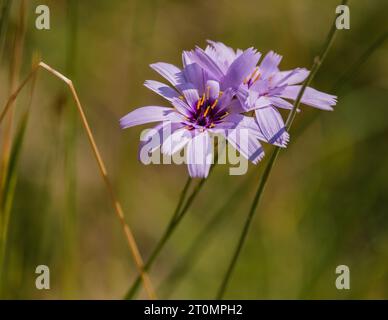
(311, 97)
(269, 64)
(257, 157)
(281, 139)
(285, 139)
(332, 101)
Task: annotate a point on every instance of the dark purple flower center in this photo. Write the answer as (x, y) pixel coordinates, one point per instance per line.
(207, 112)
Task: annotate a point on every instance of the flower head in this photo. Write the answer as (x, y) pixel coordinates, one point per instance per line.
(204, 103)
(267, 85)
(264, 87)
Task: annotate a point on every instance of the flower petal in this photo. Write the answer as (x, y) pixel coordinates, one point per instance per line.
(311, 97)
(246, 143)
(181, 106)
(162, 89)
(186, 60)
(240, 121)
(241, 68)
(176, 141)
(225, 101)
(213, 89)
(206, 62)
(199, 155)
(269, 64)
(221, 54)
(242, 97)
(272, 126)
(290, 77)
(191, 96)
(168, 71)
(243, 134)
(280, 103)
(235, 106)
(194, 74)
(157, 135)
(255, 101)
(146, 115)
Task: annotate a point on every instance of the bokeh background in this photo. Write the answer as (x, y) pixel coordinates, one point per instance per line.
(326, 203)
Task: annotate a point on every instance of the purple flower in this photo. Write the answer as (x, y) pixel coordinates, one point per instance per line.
(204, 104)
(265, 89)
(268, 88)
(267, 85)
(230, 68)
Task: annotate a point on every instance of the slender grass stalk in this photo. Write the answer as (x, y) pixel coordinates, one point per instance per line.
(342, 85)
(10, 184)
(70, 152)
(4, 20)
(176, 218)
(16, 61)
(353, 70)
(267, 171)
(14, 95)
(8, 169)
(132, 291)
(174, 221)
(101, 165)
(181, 199)
(196, 249)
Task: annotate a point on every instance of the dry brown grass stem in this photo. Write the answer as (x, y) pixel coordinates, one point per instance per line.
(102, 168)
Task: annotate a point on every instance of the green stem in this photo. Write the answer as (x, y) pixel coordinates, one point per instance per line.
(175, 220)
(316, 65)
(181, 199)
(358, 64)
(167, 234)
(247, 224)
(4, 21)
(342, 85)
(203, 238)
(70, 234)
(171, 225)
(10, 185)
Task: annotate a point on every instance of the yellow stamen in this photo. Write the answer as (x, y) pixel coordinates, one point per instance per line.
(224, 115)
(253, 76)
(182, 97)
(246, 80)
(214, 104)
(220, 94)
(206, 111)
(212, 125)
(203, 99)
(257, 78)
(254, 72)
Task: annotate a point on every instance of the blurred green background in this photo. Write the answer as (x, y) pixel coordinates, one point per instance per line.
(326, 203)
